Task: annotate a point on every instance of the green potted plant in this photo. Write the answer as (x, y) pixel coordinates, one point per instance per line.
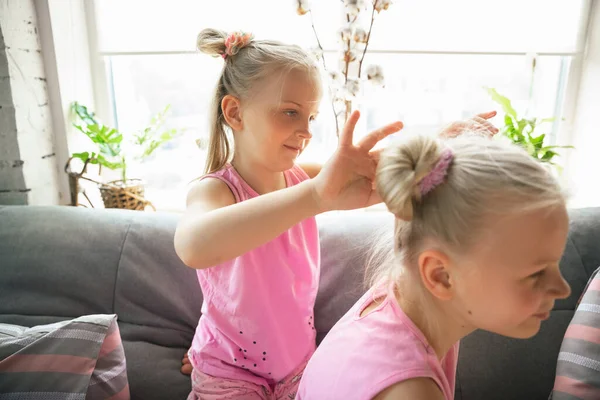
(109, 152)
(525, 131)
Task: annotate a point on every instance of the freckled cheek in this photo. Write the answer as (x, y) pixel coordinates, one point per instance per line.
(270, 130)
(475, 299)
(281, 120)
(273, 123)
(501, 304)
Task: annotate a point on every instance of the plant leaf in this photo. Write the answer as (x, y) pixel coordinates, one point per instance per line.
(556, 147)
(548, 155)
(538, 139)
(522, 132)
(107, 139)
(109, 164)
(84, 114)
(82, 156)
(503, 101)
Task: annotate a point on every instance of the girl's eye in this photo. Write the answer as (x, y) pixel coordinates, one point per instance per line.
(291, 113)
(538, 274)
(312, 118)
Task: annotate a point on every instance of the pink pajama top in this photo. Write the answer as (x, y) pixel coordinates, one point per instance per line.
(257, 320)
(363, 355)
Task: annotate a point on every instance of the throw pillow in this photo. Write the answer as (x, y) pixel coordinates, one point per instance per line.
(77, 359)
(578, 367)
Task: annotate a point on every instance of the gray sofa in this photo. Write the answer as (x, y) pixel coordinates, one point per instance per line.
(58, 263)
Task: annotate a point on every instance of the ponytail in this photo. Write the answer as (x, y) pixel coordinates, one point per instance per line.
(219, 149)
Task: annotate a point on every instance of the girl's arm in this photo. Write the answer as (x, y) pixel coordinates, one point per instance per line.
(215, 229)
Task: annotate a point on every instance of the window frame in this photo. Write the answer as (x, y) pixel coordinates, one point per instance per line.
(565, 102)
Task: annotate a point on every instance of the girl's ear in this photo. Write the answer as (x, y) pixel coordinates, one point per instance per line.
(230, 105)
(435, 274)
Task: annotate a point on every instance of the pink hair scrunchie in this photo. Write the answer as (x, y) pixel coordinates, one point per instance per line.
(436, 176)
(235, 42)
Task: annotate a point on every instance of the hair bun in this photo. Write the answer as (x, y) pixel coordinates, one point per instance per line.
(219, 43)
(401, 167)
(212, 42)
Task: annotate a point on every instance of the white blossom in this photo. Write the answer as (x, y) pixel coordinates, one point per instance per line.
(346, 33)
(353, 7)
(349, 56)
(317, 52)
(302, 7)
(375, 75)
(380, 5)
(352, 88)
(335, 78)
(360, 35)
(339, 105)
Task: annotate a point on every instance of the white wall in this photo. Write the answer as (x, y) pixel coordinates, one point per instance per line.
(45, 65)
(26, 110)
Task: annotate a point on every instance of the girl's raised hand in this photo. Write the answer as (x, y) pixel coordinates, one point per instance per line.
(347, 180)
(478, 124)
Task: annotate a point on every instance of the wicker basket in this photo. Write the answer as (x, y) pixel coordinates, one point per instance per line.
(128, 195)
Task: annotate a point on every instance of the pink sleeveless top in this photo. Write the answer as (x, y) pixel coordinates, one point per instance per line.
(257, 314)
(362, 356)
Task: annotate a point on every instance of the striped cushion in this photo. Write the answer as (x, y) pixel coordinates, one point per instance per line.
(578, 368)
(70, 360)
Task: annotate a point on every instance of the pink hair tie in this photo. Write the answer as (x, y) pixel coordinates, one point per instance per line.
(235, 42)
(436, 176)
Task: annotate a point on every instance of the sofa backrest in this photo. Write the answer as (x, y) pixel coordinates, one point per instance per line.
(58, 263)
(63, 262)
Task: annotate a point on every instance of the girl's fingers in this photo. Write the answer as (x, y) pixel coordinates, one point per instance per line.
(487, 115)
(369, 141)
(187, 369)
(486, 125)
(347, 134)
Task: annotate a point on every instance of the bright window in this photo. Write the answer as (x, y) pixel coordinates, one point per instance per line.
(437, 57)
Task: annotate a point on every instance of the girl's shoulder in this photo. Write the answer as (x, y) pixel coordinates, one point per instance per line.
(223, 184)
(211, 191)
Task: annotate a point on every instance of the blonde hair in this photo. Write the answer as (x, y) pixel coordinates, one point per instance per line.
(242, 70)
(485, 178)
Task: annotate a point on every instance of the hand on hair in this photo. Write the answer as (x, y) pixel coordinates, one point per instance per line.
(347, 180)
(478, 124)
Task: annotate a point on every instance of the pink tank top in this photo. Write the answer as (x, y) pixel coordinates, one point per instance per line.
(257, 315)
(362, 356)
